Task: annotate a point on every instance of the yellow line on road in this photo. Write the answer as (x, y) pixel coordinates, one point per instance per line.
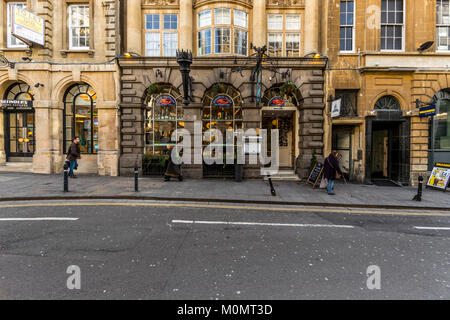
(232, 207)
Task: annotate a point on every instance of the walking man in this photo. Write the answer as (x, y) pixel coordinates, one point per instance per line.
(331, 170)
(72, 155)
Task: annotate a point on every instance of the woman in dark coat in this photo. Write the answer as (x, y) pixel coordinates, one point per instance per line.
(172, 169)
(331, 169)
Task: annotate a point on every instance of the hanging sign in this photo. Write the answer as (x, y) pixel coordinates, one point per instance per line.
(222, 101)
(427, 111)
(27, 27)
(16, 105)
(336, 108)
(277, 102)
(440, 176)
(165, 101)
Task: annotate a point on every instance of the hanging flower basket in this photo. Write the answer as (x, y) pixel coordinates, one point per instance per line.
(154, 89)
(287, 88)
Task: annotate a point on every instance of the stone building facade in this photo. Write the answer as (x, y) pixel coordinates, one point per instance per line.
(377, 68)
(220, 34)
(72, 82)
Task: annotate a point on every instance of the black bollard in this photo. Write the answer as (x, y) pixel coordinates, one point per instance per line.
(66, 176)
(272, 189)
(418, 196)
(136, 177)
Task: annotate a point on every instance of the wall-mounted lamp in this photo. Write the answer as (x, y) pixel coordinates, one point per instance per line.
(5, 62)
(37, 85)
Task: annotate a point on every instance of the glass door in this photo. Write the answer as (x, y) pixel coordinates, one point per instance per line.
(21, 134)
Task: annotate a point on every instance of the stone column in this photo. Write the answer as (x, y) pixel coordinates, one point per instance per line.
(2, 140)
(42, 159)
(134, 26)
(186, 25)
(312, 26)
(107, 160)
(259, 23)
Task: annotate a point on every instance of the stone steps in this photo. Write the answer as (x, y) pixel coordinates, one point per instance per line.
(284, 175)
(17, 167)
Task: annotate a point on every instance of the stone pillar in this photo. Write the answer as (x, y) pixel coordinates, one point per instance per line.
(42, 159)
(259, 23)
(134, 26)
(193, 113)
(107, 160)
(312, 26)
(2, 140)
(186, 25)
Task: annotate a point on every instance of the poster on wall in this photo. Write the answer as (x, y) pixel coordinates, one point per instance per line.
(440, 176)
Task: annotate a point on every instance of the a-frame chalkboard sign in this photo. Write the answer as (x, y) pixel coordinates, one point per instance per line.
(316, 174)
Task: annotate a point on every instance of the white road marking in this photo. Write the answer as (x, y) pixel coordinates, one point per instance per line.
(39, 219)
(263, 224)
(432, 228)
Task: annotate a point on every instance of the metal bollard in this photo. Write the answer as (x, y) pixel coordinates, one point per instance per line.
(136, 177)
(66, 177)
(272, 189)
(418, 196)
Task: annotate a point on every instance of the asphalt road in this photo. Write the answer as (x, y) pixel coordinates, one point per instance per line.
(154, 250)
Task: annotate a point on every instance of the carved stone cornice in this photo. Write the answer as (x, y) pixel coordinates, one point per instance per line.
(285, 3)
(160, 3)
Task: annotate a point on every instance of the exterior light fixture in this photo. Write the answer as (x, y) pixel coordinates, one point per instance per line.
(5, 62)
(37, 85)
(184, 59)
(317, 56)
(27, 59)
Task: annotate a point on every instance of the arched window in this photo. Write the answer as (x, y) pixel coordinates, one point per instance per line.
(387, 103)
(440, 124)
(222, 108)
(281, 95)
(81, 117)
(163, 116)
(222, 31)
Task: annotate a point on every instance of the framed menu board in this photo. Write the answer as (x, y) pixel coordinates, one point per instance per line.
(316, 174)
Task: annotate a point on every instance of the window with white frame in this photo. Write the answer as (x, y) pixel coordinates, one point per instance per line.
(152, 44)
(204, 42)
(284, 34)
(275, 22)
(222, 40)
(204, 19)
(240, 42)
(275, 44)
(222, 16)
(240, 18)
(12, 41)
(443, 25)
(79, 26)
(293, 22)
(222, 31)
(392, 16)
(347, 25)
(161, 34)
(292, 44)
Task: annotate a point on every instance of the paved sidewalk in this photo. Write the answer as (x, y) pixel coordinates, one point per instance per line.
(26, 185)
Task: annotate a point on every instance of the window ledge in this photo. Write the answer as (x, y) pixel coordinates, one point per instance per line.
(88, 51)
(27, 50)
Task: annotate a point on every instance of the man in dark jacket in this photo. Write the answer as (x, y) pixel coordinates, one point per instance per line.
(73, 154)
(331, 169)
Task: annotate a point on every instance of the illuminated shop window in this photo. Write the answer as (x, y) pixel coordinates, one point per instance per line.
(163, 116)
(81, 117)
